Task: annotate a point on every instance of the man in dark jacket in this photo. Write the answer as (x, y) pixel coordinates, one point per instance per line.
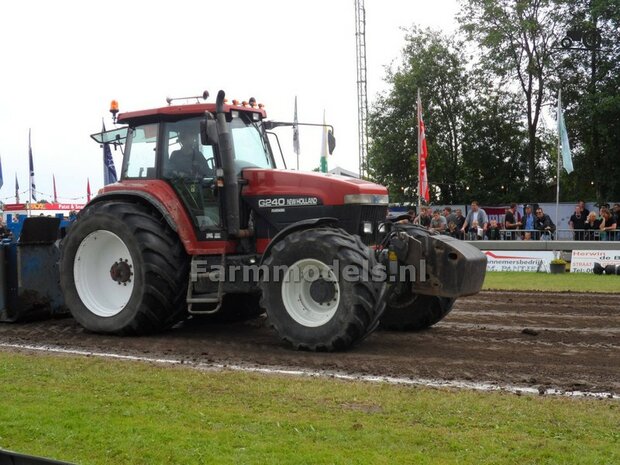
(512, 222)
(544, 224)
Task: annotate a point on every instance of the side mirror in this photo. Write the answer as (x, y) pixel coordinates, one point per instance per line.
(208, 130)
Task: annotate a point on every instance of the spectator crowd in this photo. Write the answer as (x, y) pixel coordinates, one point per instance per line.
(534, 224)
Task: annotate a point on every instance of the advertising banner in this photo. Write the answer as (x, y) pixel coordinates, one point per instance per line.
(582, 261)
(519, 260)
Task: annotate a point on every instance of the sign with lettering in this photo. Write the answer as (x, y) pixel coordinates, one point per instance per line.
(582, 261)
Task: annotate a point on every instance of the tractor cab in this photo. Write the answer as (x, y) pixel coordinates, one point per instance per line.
(178, 144)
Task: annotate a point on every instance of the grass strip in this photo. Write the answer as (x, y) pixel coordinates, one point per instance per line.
(568, 282)
(93, 411)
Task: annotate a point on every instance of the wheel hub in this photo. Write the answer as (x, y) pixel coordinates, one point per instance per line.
(120, 272)
(310, 292)
(322, 291)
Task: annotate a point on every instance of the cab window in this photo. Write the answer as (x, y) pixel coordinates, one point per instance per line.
(141, 152)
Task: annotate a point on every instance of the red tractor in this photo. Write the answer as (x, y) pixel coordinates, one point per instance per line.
(201, 221)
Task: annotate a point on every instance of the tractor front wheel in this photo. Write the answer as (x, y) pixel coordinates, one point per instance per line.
(318, 292)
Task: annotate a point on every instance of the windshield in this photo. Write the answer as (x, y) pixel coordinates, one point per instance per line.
(250, 148)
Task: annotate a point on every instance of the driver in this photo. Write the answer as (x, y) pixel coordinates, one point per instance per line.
(189, 160)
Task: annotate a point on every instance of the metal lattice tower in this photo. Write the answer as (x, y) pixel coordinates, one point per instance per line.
(362, 96)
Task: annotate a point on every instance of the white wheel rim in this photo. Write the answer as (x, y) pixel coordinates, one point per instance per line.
(297, 298)
(98, 255)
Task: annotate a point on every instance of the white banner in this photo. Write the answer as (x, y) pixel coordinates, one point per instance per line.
(582, 261)
(518, 260)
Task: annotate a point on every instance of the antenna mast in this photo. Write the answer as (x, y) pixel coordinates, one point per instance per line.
(362, 96)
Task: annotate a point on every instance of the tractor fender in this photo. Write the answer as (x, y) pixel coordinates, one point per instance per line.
(143, 197)
(300, 225)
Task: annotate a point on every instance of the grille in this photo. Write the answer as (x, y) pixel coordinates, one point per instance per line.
(376, 214)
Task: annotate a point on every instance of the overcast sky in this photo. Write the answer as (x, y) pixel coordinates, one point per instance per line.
(63, 61)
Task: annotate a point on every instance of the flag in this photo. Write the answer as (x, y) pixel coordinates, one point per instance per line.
(16, 189)
(88, 189)
(422, 156)
(324, 147)
(563, 145)
(54, 181)
(1, 178)
(296, 132)
(109, 170)
(33, 191)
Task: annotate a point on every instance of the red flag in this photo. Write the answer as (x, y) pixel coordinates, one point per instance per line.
(422, 155)
(55, 195)
(88, 189)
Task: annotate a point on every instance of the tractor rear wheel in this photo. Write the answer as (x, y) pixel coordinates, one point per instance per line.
(407, 311)
(123, 270)
(317, 295)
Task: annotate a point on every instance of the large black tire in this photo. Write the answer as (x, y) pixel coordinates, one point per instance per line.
(123, 270)
(321, 314)
(406, 311)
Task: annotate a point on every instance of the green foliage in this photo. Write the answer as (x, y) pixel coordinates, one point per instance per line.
(518, 40)
(92, 411)
(432, 65)
(590, 82)
(490, 114)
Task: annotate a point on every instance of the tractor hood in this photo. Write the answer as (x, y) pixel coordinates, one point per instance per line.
(322, 188)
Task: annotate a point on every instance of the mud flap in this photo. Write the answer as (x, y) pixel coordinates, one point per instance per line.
(437, 265)
(30, 284)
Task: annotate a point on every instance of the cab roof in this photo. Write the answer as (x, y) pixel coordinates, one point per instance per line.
(177, 112)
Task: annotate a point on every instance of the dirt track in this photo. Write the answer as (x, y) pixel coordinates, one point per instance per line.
(570, 342)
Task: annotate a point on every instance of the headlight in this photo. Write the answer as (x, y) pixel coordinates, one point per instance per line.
(367, 199)
(367, 227)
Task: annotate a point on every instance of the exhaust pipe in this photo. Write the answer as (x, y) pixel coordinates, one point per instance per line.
(227, 154)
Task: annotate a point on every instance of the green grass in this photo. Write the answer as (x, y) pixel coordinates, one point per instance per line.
(573, 282)
(94, 411)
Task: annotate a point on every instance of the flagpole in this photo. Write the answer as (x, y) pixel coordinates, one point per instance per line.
(30, 165)
(419, 159)
(557, 193)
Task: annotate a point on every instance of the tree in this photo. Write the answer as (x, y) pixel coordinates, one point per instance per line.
(493, 142)
(433, 64)
(590, 81)
(518, 39)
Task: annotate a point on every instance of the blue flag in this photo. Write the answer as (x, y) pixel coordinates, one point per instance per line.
(564, 145)
(33, 191)
(109, 171)
(16, 189)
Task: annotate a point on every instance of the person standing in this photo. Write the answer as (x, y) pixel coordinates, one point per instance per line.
(460, 221)
(543, 224)
(494, 232)
(512, 222)
(616, 212)
(608, 225)
(5, 232)
(584, 211)
(449, 215)
(476, 222)
(438, 222)
(577, 223)
(424, 218)
(592, 227)
(528, 220)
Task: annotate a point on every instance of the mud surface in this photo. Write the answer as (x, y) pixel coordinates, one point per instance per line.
(544, 340)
